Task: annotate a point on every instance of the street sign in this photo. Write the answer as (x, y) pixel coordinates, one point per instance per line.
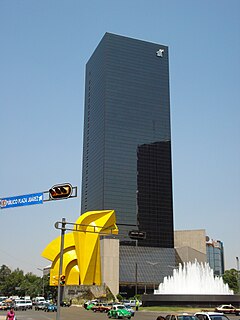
(19, 201)
(136, 234)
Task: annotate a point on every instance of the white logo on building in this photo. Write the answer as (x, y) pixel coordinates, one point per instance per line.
(159, 53)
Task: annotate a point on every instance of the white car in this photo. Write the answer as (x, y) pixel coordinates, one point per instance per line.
(28, 304)
(20, 304)
(211, 316)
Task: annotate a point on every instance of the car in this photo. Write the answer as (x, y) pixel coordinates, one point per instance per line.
(89, 304)
(101, 307)
(50, 307)
(133, 303)
(180, 316)
(129, 308)
(28, 304)
(228, 309)
(20, 304)
(119, 311)
(39, 306)
(3, 306)
(65, 304)
(126, 302)
(211, 316)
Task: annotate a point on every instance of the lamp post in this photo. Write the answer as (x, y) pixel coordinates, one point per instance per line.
(42, 281)
(238, 275)
(154, 268)
(136, 269)
(136, 235)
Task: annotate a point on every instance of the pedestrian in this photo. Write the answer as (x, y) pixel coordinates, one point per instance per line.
(137, 305)
(10, 314)
(160, 318)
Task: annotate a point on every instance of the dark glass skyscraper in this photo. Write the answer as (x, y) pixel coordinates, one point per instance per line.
(127, 138)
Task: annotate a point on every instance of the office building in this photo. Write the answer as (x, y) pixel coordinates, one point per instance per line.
(190, 245)
(215, 256)
(127, 142)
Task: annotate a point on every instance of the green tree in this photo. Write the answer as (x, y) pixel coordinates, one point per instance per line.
(4, 274)
(12, 284)
(231, 278)
(31, 285)
(17, 284)
(119, 297)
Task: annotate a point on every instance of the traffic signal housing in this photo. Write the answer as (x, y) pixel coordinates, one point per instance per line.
(136, 234)
(62, 280)
(60, 191)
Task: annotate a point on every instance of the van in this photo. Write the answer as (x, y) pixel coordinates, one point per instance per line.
(28, 303)
(20, 304)
(133, 303)
(39, 299)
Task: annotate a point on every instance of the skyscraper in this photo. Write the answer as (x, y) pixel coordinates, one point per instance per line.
(215, 256)
(127, 140)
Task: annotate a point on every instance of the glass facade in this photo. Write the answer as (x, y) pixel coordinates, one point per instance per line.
(127, 138)
(215, 256)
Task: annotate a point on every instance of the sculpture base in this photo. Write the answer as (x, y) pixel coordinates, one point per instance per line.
(190, 300)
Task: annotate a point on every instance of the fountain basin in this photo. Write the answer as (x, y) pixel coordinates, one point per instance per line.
(190, 300)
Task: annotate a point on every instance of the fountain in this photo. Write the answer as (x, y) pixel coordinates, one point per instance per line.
(193, 278)
(192, 284)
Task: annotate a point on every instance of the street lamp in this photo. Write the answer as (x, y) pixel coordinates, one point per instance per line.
(238, 275)
(136, 235)
(153, 264)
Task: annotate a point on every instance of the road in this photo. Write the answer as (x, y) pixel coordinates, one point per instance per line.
(74, 313)
(79, 313)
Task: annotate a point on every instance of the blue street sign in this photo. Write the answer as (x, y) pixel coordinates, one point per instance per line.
(19, 201)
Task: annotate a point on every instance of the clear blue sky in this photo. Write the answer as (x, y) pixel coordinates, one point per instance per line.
(44, 48)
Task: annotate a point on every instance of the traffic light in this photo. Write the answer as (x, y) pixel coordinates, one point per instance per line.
(62, 280)
(135, 234)
(61, 191)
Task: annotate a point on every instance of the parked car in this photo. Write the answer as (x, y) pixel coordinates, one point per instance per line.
(50, 307)
(211, 316)
(101, 307)
(119, 311)
(228, 309)
(39, 306)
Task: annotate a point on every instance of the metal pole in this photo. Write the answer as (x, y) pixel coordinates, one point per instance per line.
(63, 229)
(136, 270)
(42, 280)
(43, 286)
(238, 275)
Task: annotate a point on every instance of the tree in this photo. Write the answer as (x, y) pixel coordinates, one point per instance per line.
(17, 284)
(231, 278)
(4, 273)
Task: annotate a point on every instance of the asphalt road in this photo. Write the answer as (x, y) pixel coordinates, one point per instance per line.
(74, 313)
(79, 313)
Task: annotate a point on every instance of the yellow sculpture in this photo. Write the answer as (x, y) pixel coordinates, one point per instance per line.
(81, 254)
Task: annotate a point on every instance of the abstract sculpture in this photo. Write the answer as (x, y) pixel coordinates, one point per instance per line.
(81, 254)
